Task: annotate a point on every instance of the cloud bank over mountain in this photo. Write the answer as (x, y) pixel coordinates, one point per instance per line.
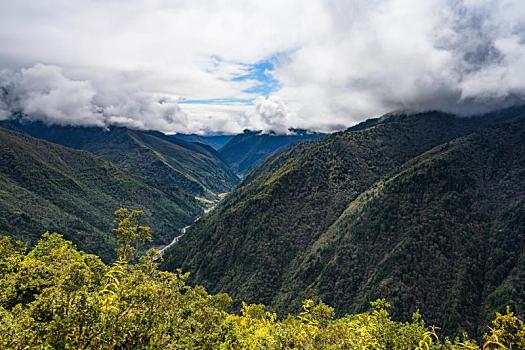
(199, 66)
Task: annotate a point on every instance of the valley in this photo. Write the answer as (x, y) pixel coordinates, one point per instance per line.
(182, 232)
(424, 209)
(189, 177)
(262, 175)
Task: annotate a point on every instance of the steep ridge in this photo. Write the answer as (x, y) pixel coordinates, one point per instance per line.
(245, 151)
(45, 186)
(445, 234)
(198, 163)
(248, 243)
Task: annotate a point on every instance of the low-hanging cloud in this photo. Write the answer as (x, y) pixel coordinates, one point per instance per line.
(44, 93)
(341, 61)
(464, 57)
(270, 113)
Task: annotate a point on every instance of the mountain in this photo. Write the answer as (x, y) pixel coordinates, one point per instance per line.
(181, 169)
(425, 210)
(245, 151)
(445, 234)
(45, 186)
(215, 141)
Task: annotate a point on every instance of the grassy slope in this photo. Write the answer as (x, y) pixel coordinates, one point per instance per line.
(45, 186)
(197, 162)
(181, 169)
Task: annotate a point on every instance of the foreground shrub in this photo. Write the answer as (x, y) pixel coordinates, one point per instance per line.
(56, 297)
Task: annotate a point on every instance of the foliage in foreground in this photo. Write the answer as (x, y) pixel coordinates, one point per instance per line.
(56, 297)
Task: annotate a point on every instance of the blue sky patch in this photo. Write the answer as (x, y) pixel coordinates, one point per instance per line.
(259, 72)
(262, 73)
(217, 101)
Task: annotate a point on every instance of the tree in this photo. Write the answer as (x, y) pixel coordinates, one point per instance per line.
(129, 233)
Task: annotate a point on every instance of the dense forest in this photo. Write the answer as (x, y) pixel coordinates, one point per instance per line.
(179, 168)
(424, 209)
(262, 175)
(54, 296)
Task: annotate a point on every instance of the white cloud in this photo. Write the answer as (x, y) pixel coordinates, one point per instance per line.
(270, 113)
(210, 118)
(344, 61)
(395, 54)
(44, 93)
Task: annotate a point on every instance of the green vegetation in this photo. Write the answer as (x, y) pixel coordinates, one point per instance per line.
(196, 167)
(128, 232)
(215, 141)
(181, 169)
(451, 220)
(425, 210)
(47, 186)
(56, 297)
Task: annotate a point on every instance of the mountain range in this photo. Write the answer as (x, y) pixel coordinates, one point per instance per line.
(215, 141)
(175, 166)
(73, 192)
(247, 150)
(48, 187)
(425, 210)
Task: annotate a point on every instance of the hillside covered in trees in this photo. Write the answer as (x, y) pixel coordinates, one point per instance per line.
(71, 179)
(425, 210)
(179, 168)
(56, 297)
(44, 186)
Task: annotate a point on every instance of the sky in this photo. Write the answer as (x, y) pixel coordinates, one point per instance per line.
(224, 66)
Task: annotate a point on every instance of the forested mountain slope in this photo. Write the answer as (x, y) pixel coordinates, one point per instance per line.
(445, 234)
(245, 151)
(181, 169)
(260, 243)
(45, 186)
(276, 214)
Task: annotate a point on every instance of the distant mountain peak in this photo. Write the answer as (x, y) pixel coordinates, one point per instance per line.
(291, 132)
(247, 150)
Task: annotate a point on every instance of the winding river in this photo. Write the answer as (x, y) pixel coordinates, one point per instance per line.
(176, 239)
(183, 230)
